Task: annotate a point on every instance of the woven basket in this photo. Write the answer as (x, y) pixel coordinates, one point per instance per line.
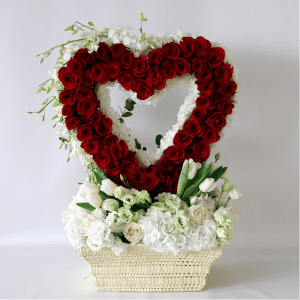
(141, 270)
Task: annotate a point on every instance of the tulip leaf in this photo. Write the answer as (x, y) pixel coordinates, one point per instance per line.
(216, 174)
(99, 176)
(193, 189)
(86, 205)
(183, 179)
(104, 196)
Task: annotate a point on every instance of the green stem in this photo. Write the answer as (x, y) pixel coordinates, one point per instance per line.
(43, 108)
(44, 82)
(227, 201)
(83, 25)
(219, 200)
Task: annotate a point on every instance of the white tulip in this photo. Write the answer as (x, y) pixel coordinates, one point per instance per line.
(207, 185)
(234, 192)
(193, 167)
(88, 188)
(110, 205)
(108, 187)
(94, 199)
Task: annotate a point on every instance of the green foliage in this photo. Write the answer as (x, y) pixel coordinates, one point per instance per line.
(86, 205)
(137, 144)
(99, 176)
(183, 180)
(158, 139)
(218, 173)
(129, 104)
(126, 114)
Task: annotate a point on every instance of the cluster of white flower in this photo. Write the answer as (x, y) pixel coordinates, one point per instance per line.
(166, 225)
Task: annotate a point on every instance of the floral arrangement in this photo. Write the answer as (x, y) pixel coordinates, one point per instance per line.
(167, 200)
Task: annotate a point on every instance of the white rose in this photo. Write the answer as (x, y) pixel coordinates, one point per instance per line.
(133, 232)
(120, 192)
(207, 185)
(110, 205)
(94, 199)
(108, 187)
(193, 167)
(88, 188)
(198, 213)
(86, 223)
(234, 192)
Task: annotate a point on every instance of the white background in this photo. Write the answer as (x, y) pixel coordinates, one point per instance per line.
(260, 149)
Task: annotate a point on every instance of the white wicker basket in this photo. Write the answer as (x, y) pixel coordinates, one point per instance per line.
(142, 270)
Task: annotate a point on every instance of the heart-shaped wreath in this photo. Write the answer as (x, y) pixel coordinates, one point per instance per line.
(146, 67)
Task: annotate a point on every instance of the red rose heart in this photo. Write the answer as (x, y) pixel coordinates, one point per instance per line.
(145, 75)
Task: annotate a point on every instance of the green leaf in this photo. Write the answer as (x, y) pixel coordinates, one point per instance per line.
(157, 139)
(104, 196)
(41, 88)
(41, 60)
(129, 104)
(121, 120)
(144, 149)
(79, 183)
(91, 24)
(192, 190)
(69, 28)
(127, 114)
(99, 176)
(47, 54)
(137, 144)
(55, 117)
(43, 118)
(86, 206)
(74, 31)
(48, 90)
(218, 173)
(183, 180)
(119, 234)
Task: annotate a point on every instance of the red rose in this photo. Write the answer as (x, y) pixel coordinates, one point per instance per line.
(69, 80)
(203, 102)
(218, 86)
(72, 122)
(95, 117)
(125, 147)
(155, 57)
(204, 75)
(174, 153)
(209, 136)
(217, 121)
(91, 145)
(104, 127)
(84, 57)
(112, 169)
(102, 159)
(144, 89)
(127, 80)
(74, 65)
(172, 186)
(150, 181)
(167, 69)
(165, 165)
(98, 73)
(112, 70)
(229, 89)
(110, 140)
(199, 114)
(116, 151)
(200, 152)
(187, 46)
(226, 106)
(158, 82)
(183, 139)
(86, 79)
(103, 52)
(205, 88)
(215, 57)
(202, 46)
(86, 107)
(117, 50)
(67, 110)
(84, 132)
(181, 66)
(197, 64)
(137, 176)
(224, 72)
(84, 93)
(127, 60)
(192, 127)
(170, 50)
(128, 163)
(156, 171)
(67, 97)
(140, 66)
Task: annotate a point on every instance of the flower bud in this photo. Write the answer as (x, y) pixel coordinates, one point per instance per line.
(108, 187)
(120, 192)
(110, 205)
(207, 185)
(234, 192)
(225, 186)
(94, 199)
(193, 167)
(218, 156)
(89, 188)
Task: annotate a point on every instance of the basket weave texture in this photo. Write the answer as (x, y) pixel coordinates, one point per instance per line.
(141, 270)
